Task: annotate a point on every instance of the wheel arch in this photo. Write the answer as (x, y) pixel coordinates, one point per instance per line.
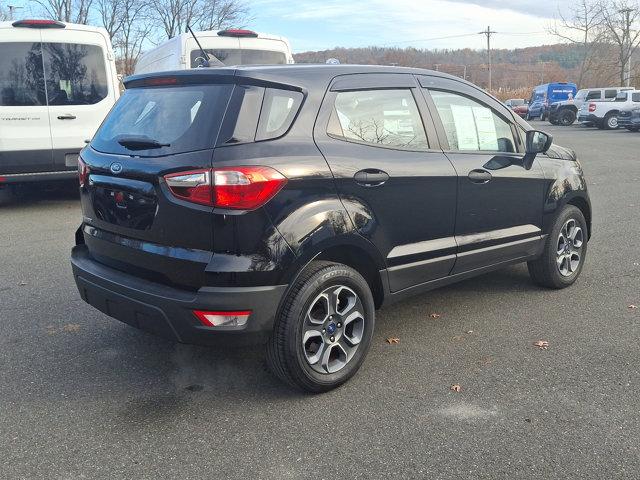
(585, 208)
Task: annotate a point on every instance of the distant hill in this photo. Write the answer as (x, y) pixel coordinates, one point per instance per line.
(513, 70)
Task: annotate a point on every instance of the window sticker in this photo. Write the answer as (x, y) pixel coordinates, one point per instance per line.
(465, 127)
(486, 127)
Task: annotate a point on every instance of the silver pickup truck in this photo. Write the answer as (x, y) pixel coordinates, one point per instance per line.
(604, 114)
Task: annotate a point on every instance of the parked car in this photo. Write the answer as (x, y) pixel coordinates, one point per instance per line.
(518, 105)
(288, 203)
(565, 112)
(57, 83)
(544, 95)
(604, 114)
(630, 118)
(224, 47)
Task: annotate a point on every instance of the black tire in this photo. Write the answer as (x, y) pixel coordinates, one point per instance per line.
(566, 117)
(553, 121)
(545, 270)
(608, 122)
(285, 349)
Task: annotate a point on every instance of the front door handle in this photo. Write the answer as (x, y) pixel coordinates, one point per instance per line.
(371, 177)
(66, 116)
(479, 176)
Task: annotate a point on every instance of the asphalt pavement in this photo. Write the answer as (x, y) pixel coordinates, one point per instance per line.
(85, 396)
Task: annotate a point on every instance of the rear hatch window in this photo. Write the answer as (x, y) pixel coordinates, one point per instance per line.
(157, 121)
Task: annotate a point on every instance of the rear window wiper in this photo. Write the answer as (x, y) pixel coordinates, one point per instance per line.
(140, 142)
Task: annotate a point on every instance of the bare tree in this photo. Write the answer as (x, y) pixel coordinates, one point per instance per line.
(110, 14)
(621, 26)
(583, 28)
(221, 14)
(175, 15)
(134, 30)
(72, 11)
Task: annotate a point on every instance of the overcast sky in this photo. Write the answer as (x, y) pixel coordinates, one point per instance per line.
(323, 24)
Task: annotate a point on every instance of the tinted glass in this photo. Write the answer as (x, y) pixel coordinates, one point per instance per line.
(470, 125)
(21, 75)
(610, 93)
(279, 108)
(182, 119)
(238, 56)
(594, 95)
(622, 97)
(385, 118)
(635, 97)
(516, 102)
(75, 73)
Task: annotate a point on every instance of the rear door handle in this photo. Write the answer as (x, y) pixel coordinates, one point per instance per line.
(479, 176)
(371, 177)
(66, 116)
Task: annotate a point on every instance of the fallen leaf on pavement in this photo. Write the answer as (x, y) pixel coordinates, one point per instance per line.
(71, 327)
(469, 332)
(22, 284)
(393, 340)
(632, 307)
(435, 315)
(455, 388)
(541, 344)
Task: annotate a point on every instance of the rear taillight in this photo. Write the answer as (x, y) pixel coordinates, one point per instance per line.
(237, 188)
(83, 172)
(592, 107)
(193, 186)
(222, 319)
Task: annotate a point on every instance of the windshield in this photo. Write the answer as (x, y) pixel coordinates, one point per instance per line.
(239, 56)
(153, 121)
(516, 102)
(581, 94)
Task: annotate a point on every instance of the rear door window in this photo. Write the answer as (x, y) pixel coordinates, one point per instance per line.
(177, 119)
(383, 118)
(610, 94)
(76, 74)
(237, 56)
(21, 75)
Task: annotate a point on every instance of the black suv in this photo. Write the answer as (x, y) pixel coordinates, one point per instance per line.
(288, 203)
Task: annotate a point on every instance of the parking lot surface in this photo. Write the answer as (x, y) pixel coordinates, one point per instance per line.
(84, 396)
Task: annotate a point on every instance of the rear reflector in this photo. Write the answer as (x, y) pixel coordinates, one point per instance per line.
(38, 24)
(83, 172)
(237, 32)
(237, 188)
(222, 319)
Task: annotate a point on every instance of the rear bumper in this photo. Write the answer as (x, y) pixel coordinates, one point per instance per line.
(590, 118)
(167, 311)
(37, 177)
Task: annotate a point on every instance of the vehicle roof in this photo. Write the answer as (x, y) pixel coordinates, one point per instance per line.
(68, 26)
(214, 33)
(303, 73)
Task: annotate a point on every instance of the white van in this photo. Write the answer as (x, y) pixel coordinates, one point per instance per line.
(224, 47)
(57, 83)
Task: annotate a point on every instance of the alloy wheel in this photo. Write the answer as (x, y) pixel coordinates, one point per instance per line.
(569, 248)
(333, 329)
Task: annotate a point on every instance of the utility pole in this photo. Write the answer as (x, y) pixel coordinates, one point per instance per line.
(11, 9)
(488, 32)
(626, 34)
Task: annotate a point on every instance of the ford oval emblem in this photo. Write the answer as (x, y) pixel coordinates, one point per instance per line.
(115, 168)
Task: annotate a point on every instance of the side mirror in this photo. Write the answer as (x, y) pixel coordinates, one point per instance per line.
(538, 142)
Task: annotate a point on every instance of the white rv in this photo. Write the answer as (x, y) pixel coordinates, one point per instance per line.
(224, 47)
(57, 83)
